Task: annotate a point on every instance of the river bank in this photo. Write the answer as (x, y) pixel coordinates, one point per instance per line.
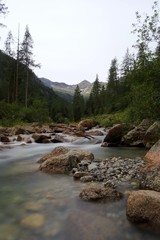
(52, 203)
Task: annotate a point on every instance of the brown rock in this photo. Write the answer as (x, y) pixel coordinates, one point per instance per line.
(113, 136)
(95, 133)
(41, 138)
(144, 206)
(4, 139)
(152, 135)
(153, 156)
(78, 175)
(58, 139)
(100, 194)
(86, 124)
(135, 137)
(63, 160)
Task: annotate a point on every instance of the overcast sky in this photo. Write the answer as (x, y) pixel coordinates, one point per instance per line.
(75, 39)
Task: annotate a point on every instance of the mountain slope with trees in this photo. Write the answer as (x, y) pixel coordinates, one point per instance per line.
(132, 87)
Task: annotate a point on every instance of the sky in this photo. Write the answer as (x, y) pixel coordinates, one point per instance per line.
(74, 39)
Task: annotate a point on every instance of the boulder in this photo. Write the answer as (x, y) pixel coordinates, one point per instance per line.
(143, 206)
(150, 173)
(63, 160)
(41, 138)
(152, 158)
(113, 137)
(86, 124)
(135, 137)
(152, 134)
(100, 194)
(95, 133)
(58, 139)
(4, 139)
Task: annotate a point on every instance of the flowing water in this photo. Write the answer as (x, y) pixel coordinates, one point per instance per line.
(39, 206)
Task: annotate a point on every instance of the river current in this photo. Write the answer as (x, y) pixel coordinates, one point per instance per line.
(39, 206)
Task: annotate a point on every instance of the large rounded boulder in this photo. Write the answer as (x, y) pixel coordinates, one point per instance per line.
(62, 160)
(152, 134)
(113, 137)
(143, 206)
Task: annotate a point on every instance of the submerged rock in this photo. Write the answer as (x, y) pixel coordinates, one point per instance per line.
(33, 221)
(143, 206)
(87, 225)
(63, 160)
(100, 194)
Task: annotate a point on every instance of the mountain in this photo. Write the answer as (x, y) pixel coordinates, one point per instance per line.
(67, 91)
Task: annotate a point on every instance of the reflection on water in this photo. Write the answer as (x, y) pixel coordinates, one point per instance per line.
(39, 206)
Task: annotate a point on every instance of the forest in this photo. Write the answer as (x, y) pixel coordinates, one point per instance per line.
(131, 93)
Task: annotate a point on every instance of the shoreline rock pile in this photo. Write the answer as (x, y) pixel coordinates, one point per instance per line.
(110, 171)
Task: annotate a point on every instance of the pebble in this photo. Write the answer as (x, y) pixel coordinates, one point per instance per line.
(113, 171)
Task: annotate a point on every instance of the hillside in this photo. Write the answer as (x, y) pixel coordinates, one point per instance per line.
(67, 91)
(42, 102)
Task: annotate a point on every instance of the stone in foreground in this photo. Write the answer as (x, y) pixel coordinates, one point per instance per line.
(62, 160)
(100, 194)
(143, 206)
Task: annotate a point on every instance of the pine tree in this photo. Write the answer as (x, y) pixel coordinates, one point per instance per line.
(112, 85)
(26, 57)
(78, 104)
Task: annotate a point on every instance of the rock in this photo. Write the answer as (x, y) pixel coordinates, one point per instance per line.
(63, 160)
(33, 221)
(100, 194)
(8, 231)
(25, 130)
(87, 179)
(150, 179)
(19, 138)
(135, 137)
(113, 137)
(95, 133)
(33, 206)
(20, 131)
(150, 173)
(153, 156)
(4, 139)
(52, 229)
(92, 167)
(78, 175)
(58, 139)
(152, 134)
(41, 138)
(143, 206)
(86, 124)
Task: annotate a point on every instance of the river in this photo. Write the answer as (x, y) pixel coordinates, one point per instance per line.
(39, 206)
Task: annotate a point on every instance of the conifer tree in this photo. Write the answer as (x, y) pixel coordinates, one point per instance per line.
(26, 57)
(78, 104)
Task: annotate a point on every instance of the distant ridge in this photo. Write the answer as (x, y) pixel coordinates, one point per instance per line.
(67, 91)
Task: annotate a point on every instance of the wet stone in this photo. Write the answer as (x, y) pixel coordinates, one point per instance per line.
(33, 221)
